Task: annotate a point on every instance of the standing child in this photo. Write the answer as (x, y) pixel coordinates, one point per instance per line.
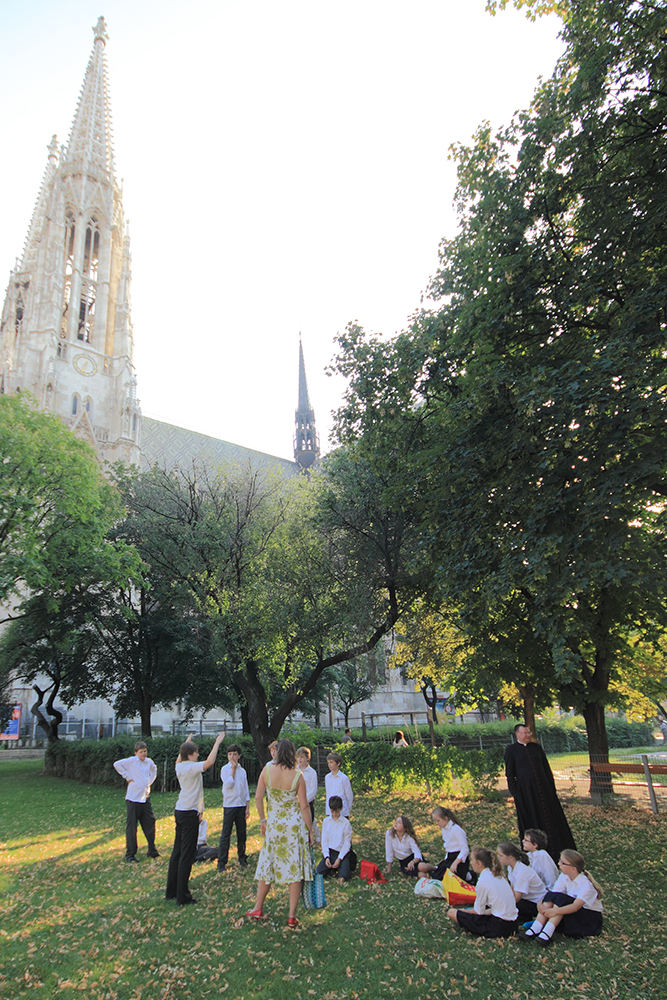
(337, 783)
(535, 845)
(338, 858)
(401, 842)
(456, 846)
(309, 776)
(495, 913)
(187, 814)
(527, 886)
(236, 807)
(573, 905)
(140, 772)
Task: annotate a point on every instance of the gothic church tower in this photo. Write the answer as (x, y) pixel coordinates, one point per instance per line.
(65, 332)
(306, 439)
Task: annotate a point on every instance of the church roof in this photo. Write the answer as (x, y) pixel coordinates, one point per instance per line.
(168, 446)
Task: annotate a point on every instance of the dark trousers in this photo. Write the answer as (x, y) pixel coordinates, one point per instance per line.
(345, 868)
(139, 812)
(182, 855)
(234, 817)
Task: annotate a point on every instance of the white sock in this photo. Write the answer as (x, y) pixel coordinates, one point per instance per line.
(534, 930)
(548, 930)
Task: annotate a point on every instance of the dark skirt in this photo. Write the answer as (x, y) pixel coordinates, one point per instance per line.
(485, 924)
(583, 923)
(462, 870)
(414, 872)
(527, 909)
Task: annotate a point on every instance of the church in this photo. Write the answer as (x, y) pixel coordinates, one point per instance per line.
(66, 332)
(66, 337)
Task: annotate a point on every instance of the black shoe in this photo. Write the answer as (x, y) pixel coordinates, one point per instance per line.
(188, 902)
(544, 942)
(221, 868)
(170, 899)
(243, 864)
(131, 859)
(153, 854)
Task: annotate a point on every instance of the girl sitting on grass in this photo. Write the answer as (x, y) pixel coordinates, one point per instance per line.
(456, 846)
(495, 913)
(401, 842)
(527, 886)
(573, 906)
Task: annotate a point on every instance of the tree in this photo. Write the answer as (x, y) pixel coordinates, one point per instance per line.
(294, 577)
(354, 682)
(538, 377)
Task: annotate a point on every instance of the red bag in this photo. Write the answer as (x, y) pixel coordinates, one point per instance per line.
(370, 872)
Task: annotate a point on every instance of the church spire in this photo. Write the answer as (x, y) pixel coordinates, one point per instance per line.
(90, 140)
(306, 440)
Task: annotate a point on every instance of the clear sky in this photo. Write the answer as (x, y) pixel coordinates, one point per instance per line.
(285, 169)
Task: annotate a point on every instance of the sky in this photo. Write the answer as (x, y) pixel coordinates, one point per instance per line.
(285, 170)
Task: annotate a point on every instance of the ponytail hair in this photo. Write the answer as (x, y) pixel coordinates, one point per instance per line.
(510, 850)
(489, 859)
(442, 813)
(575, 859)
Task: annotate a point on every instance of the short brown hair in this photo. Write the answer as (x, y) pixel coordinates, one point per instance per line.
(140, 745)
(187, 749)
(335, 756)
(303, 752)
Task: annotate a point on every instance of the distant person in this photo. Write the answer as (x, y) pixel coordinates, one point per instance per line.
(399, 740)
(347, 738)
(533, 788)
(139, 772)
(663, 729)
(235, 808)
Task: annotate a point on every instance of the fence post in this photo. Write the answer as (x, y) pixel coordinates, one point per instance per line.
(649, 782)
(363, 725)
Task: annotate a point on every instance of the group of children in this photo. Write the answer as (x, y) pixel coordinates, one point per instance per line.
(537, 893)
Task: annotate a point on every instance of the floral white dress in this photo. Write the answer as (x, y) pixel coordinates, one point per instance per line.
(285, 856)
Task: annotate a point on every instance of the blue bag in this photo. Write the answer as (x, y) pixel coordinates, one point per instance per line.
(312, 892)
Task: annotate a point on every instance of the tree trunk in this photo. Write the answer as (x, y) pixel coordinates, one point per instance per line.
(598, 749)
(431, 699)
(146, 707)
(527, 692)
(245, 721)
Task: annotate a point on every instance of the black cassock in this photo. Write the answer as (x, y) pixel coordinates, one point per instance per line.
(531, 782)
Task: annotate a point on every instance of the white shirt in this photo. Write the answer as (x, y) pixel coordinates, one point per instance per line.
(141, 774)
(525, 880)
(338, 784)
(400, 847)
(234, 789)
(581, 888)
(310, 777)
(454, 839)
(189, 774)
(495, 896)
(336, 836)
(545, 866)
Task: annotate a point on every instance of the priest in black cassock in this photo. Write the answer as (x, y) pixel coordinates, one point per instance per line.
(532, 784)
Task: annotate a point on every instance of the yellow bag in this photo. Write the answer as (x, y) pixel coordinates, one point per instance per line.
(458, 892)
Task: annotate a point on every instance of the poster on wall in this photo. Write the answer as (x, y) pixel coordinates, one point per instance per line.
(13, 726)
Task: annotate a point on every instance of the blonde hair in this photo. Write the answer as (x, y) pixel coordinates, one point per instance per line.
(575, 859)
(489, 859)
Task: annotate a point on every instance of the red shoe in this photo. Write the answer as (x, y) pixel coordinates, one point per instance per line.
(254, 914)
(292, 923)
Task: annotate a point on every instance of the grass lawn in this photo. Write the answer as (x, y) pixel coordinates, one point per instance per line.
(77, 920)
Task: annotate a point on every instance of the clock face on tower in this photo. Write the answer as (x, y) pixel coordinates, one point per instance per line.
(84, 364)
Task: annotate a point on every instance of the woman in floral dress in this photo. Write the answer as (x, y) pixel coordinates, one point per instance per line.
(287, 830)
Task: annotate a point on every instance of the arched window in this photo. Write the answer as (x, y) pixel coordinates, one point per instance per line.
(88, 405)
(69, 267)
(75, 405)
(91, 255)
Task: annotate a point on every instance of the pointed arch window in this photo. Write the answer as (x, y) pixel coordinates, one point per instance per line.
(75, 404)
(69, 267)
(89, 270)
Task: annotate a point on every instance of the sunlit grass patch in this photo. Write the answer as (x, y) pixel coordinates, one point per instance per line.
(76, 919)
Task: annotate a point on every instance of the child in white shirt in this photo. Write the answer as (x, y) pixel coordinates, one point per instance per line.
(401, 842)
(140, 772)
(495, 913)
(456, 846)
(311, 780)
(573, 905)
(527, 886)
(236, 807)
(535, 845)
(338, 857)
(337, 783)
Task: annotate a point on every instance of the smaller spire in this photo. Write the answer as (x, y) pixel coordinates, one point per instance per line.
(306, 440)
(90, 138)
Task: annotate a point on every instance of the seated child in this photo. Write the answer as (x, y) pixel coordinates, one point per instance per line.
(338, 857)
(534, 844)
(495, 913)
(456, 846)
(573, 906)
(527, 886)
(401, 842)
